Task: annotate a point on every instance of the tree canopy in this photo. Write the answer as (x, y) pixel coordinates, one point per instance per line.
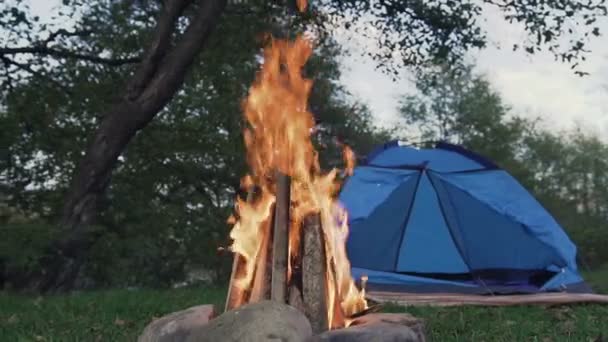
(564, 170)
(123, 128)
(418, 31)
(172, 189)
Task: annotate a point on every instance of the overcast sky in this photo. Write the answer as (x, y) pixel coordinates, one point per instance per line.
(534, 85)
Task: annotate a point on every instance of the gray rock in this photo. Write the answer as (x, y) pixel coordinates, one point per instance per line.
(414, 323)
(263, 321)
(377, 332)
(176, 326)
(377, 327)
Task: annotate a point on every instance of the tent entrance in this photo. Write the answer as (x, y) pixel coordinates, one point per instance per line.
(494, 280)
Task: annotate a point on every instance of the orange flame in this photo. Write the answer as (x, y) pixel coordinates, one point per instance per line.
(278, 137)
(301, 5)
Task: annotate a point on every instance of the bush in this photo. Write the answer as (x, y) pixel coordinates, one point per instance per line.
(21, 247)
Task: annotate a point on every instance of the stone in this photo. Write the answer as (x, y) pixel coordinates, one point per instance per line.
(414, 323)
(377, 332)
(176, 326)
(377, 327)
(262, 321)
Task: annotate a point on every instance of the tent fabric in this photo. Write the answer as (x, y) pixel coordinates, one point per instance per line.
(425, 247)
(447, 219)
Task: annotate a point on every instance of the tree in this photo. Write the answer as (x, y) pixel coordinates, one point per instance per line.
(173, 188)
(563, 170)
(160, 73)
(456, 105)
(174, 39)
(420, 31)
(569, 180)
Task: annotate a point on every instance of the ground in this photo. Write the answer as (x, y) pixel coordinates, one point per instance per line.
(120, 315)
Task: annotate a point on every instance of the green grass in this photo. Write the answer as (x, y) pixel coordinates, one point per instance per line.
(120, 315)
(563, 323)
(598, 279)
(117, 315)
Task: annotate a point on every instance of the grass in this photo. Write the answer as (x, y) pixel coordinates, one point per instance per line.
(120, 315)
(598, 279)
(116, 315)
(563, 323)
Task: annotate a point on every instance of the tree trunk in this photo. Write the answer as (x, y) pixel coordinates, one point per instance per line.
(159, 76)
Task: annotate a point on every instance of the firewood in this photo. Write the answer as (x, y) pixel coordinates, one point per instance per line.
(280, 241)
(260, 289)
(235, 296)
(371, 309)
(295, 298)
(314, 289)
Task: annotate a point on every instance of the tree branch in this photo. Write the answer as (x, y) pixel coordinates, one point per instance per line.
(7, 61)
(42, 48)
(161, 74)
(8, 82)
(65, 33)
(171, 73)
(126, 117)
(159, 46)
(59, 53)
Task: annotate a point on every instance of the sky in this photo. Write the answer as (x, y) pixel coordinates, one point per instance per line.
(533, 85)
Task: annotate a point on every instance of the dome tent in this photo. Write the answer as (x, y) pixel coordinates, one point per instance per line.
(448, 220)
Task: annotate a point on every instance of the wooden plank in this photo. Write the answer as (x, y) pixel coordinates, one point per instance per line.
(236, 296)
(280, 240)
(295, 297)
(314, 285)
(450, 299)
(372, 309)
(260, 289)
(295, 286)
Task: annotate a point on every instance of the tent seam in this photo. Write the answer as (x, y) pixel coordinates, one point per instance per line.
(525, 226)
(407, 219)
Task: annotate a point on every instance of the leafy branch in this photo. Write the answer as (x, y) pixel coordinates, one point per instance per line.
(42, 48)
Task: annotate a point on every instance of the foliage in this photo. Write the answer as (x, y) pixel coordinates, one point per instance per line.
(166, 207)
(120, 315)
(570, 180)
(419, 31)
(598, 279)
(21, 246)
(565, 171)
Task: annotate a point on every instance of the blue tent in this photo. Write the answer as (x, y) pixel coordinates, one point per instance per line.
(448, 220)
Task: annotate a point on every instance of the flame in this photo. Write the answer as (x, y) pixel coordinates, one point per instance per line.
(301, 5)
(278, 137)
(349, 158)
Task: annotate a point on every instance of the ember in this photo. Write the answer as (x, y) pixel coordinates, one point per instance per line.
(288, 191)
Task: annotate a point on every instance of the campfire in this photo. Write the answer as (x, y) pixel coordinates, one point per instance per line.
(291, 278)
(289, 232)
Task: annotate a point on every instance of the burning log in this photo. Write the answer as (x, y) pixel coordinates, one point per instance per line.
(295, 297)
(280, 241)
(235, 296)
(288, 257)
(314, 289)
(260, 289)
